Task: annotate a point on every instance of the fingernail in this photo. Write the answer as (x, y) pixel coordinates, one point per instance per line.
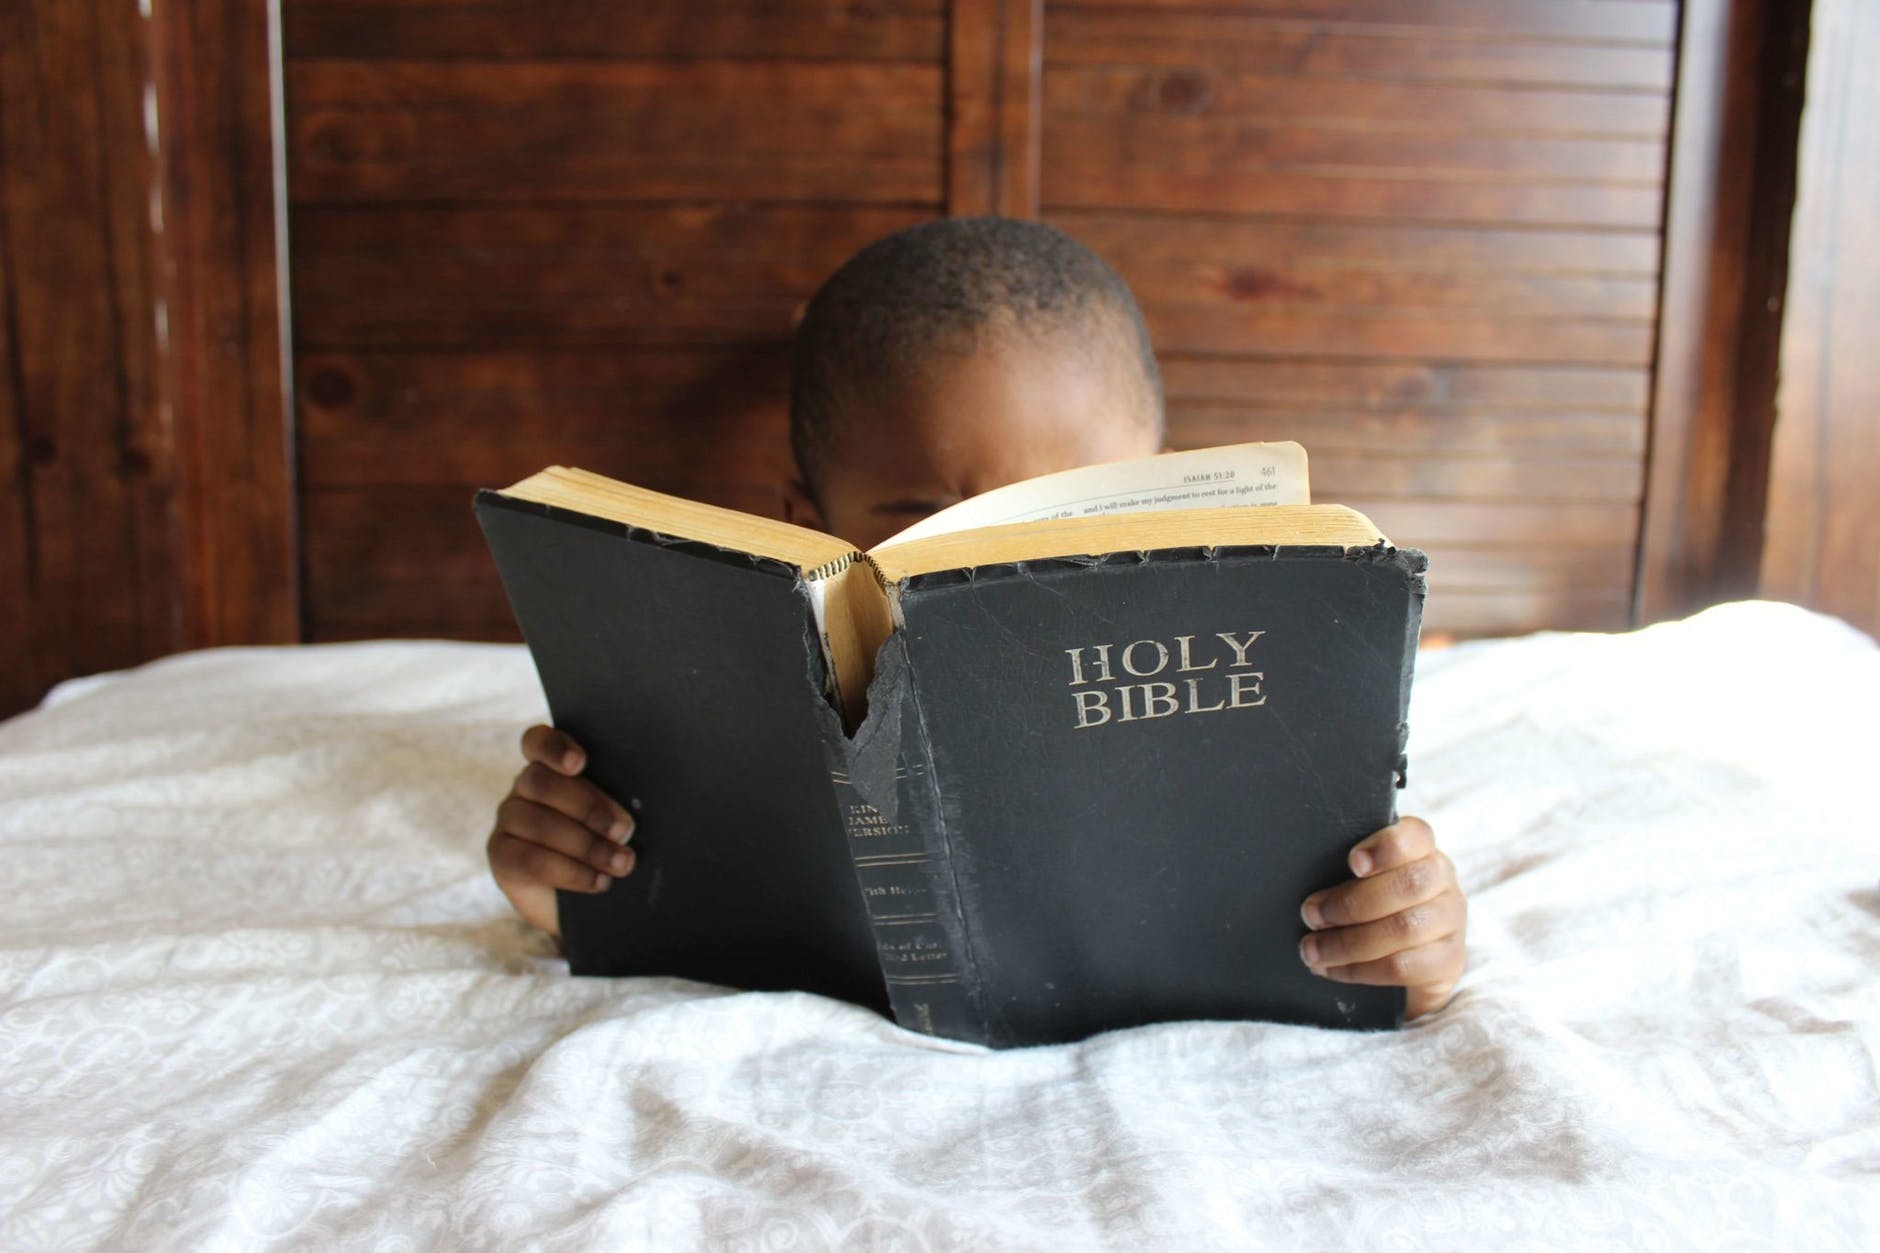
(1310, 912)
(619, 863)
(621, 831)
(571, 761)
(600, 881)
(1360, 863)
(1309, 951)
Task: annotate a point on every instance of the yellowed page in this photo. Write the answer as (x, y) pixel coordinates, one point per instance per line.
(1238, 474)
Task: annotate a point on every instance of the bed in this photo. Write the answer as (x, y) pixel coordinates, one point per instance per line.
(257, 990)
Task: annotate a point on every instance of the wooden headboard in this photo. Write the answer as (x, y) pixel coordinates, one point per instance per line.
(1460, 249)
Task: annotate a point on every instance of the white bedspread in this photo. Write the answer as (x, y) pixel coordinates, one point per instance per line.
(256, 989)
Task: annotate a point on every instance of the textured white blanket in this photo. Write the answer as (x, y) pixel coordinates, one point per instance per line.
(256, 989)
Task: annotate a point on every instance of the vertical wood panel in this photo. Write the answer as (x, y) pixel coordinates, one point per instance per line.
(1823, 546)
(994, 115)
(1731, 186)
(85, 542)
(225, 379)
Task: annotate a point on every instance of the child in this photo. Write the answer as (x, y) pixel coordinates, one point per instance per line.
(940, 362)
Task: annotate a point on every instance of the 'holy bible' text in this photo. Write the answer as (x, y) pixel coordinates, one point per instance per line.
(1150, 679)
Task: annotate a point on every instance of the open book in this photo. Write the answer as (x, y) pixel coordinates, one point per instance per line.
(1061, 758)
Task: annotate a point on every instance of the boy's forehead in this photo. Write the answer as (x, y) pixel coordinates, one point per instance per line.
(1013, 407)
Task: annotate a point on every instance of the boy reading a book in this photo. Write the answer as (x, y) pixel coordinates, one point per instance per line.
(940, 362)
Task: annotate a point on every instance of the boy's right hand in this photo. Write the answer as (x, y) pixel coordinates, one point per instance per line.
(556, 830)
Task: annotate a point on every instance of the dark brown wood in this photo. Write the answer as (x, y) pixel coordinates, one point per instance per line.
(1412, 334)
(885, 30)
(86, 547)
(1147, 144)
(614, 130)
(564, 275)
(1074, 178)
(686, 421)
(1401, 387)
(224, 382)
(1523, 441)
(1729, 200)
(1142, 240)
(1823, 546)
(1292, 100)
(992, 107)
(1248, 41)
(1650, 22)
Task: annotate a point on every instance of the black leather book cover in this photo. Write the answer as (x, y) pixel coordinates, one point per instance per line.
(1141, 765)
(692, 677)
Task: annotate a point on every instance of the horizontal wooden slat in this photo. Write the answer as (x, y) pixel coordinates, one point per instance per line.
(1301, 101)
(410, 561)
(1427, 523)
(1455, 568)
(1404, 387)
(1409, 334)
(1528, 435)
(1308, 283)
(1341, 472)
(1133, 241)
(1245, 41)
(1469, 612)
(567, 275)
(413, 130)
(665, 419)
(896, 30)
(1074, 180)
(1147, 145)
(1651, 22)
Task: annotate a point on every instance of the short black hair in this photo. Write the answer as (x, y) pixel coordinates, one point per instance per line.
(935, 288)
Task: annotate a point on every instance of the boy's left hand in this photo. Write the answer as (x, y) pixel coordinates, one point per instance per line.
(1400, 923)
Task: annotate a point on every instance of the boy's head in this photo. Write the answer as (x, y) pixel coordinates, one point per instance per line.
(957, 356)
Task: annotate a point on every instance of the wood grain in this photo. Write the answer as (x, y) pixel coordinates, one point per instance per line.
(1823, 546)
(86, 547)
(561, 275)
(684, 421)
(1139, 241)
(1441, 386)
(225, 371)
(1411, 334)
(1387, 106)
(993, 112)
(885, 30)
(1249, 41)
(614, 130)
(1652, 22)
(1729, 203)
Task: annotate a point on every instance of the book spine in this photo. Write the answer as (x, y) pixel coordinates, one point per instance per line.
(891, 814)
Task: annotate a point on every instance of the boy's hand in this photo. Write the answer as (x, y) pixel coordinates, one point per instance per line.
(556, 830)
(1400, 923)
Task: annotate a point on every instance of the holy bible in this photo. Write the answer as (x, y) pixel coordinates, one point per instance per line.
(1062, 759)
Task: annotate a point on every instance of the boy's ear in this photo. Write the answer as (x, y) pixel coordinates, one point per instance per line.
(800, 508)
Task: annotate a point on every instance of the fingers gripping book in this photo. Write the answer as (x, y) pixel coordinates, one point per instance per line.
(1060, 759)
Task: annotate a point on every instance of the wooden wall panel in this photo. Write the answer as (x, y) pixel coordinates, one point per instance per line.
(87, 547)
(1421, 236)
(1823, 545)
(217, 204)
(527, 233)
(885, 30)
